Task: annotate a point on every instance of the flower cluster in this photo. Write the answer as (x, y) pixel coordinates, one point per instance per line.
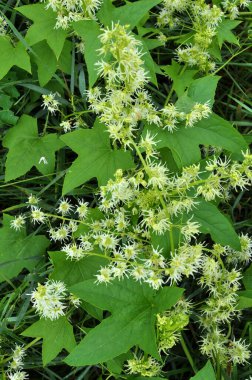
(125, 101)
(15, 369)
(48, 299)
(232, 7)
(144, 366)
(72, 10)
(205, 20)
(50, 103)
(3, 26)
(220, 307)
(171, 323)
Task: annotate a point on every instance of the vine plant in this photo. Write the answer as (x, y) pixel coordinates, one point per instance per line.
(131, 260)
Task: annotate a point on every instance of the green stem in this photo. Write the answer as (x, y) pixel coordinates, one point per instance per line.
(46, 122)
(188, 355)
(230, 59)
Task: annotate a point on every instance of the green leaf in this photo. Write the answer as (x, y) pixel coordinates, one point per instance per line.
(70, 271)
(65, 59)
(8, 117)
(90, 31)
(244, 300)
(203, 89)
(43, 27)
(133, 307)
(95, 157)
(26, 149)
(150, 66)
(213, 222)
(247, 278)
(56, 335)
(224, 32)
(206, 373)
(180, 79)
(129, 14)
(184, 143)
(13, 56)
(5, 101)
(18, 251)
(46, 62)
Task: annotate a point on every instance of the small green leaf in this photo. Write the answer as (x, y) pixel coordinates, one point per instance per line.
(203, 89)
(133, 306)
(43, 27)
(26, 149)
(213, 222)
(90, 31)
(46, 62)
(180, 79)
(206, 373)
(247, 278)
(8, 117)
(56, 335)
(244, 300)
(224, 32)
(129, 14)
(65, 59)
(95, 157)
(18, 251)
(13, 56)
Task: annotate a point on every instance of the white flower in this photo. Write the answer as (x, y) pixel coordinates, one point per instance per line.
(66, 125)
(18, 222)
(64, 207)
(43, 160)
(19, 375)
(37, 215)
(82, 209)
(105, 275)
(50, 103)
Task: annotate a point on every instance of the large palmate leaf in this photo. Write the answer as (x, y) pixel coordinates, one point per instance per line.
(129, 14)
(26, 149)
(56, 335)
(43, 27)
(133, 307)
(13, 56)
(18, 251)
(96, 158)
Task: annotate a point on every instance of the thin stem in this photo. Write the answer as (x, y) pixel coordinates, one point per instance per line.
(188, 355)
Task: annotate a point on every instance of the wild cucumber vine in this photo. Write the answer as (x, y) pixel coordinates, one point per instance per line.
(147, 241)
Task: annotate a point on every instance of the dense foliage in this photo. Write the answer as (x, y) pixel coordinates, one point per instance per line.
(125, 248)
